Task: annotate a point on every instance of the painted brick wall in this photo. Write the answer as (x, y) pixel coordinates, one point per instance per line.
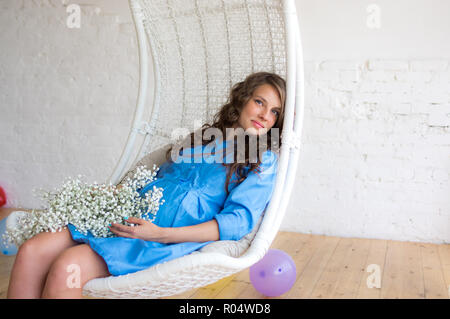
(375, 157)
(66, 95)
(376, 151)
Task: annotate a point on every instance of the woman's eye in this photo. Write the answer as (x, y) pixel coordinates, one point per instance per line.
(258, 102)
(276, 112)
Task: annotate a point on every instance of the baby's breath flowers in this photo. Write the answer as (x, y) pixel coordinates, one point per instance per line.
(90, 208)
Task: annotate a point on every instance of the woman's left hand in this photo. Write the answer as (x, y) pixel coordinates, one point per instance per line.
(143, 229)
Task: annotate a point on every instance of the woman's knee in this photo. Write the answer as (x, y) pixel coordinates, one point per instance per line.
(33, 249)
(44, 247)
(65, 272)
(73, 268)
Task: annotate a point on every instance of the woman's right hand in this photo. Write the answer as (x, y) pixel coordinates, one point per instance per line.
(142, 229)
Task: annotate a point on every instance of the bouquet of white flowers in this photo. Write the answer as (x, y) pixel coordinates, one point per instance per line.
(90, 207)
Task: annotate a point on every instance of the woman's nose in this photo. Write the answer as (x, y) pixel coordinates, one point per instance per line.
(264, 114)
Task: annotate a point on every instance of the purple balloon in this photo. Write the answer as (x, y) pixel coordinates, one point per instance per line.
(274, 274)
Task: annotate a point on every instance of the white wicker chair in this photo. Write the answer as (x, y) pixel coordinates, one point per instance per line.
(200, 48)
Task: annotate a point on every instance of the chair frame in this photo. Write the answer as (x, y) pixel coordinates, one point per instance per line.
(212, 266)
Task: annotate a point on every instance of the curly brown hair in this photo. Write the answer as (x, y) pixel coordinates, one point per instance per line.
(228, 116)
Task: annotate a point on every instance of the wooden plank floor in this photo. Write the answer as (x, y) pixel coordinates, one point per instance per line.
(335, 267)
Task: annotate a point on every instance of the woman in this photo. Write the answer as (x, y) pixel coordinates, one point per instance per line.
(218, 198)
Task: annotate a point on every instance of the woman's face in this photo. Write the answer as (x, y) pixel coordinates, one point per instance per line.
(260, 113)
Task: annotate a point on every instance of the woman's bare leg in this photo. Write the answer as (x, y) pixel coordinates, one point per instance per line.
(72, 270)
(33, 261)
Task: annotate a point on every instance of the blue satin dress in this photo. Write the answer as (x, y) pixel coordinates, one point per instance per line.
(194, 193)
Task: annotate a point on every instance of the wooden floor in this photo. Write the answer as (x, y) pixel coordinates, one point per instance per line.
(335, 267)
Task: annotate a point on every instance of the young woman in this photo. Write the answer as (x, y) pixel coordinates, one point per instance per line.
(205, 201)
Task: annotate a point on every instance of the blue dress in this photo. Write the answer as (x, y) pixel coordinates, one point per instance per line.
(194, 192)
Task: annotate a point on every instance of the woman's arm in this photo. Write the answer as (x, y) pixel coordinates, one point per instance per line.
(208, 231)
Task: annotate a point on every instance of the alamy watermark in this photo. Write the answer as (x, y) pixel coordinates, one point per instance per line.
(373, 20)
(74, 17)
(374, 279)
(237, 145)
(74, 278)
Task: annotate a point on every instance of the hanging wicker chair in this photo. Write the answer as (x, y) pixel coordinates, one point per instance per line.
(200, 48)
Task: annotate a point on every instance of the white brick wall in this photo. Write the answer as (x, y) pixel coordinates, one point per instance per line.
(66, 95)
(376, 151)
(375, 157)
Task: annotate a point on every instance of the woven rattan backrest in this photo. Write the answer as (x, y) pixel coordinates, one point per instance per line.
(200, 49)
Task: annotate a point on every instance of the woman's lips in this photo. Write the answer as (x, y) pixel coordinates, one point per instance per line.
(257, 124)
